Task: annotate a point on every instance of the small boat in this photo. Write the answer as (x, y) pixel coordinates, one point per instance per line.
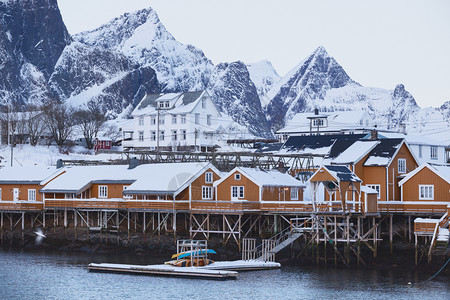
(193, 253)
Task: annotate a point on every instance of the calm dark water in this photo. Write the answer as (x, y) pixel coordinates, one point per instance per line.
(25, 275)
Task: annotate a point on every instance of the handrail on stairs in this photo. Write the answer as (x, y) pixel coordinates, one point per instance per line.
(433, 241)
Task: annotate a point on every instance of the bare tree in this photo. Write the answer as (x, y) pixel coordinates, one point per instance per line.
(35, 124)
(59, 120)
(90, 121)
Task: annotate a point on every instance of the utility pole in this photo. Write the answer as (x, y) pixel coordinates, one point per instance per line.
(157, 128)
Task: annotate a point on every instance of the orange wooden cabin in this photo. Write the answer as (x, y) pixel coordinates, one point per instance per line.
(259, 190)
(19, 186)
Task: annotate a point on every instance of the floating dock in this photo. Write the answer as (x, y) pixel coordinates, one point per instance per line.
(164, 270)
(243, 265)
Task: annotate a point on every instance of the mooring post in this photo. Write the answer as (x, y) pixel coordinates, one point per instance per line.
(143, 222)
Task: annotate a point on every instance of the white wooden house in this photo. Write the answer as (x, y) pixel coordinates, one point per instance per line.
(178, 121)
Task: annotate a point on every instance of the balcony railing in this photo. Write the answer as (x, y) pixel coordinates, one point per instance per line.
(21, 205)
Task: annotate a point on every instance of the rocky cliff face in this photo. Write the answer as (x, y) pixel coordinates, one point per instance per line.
(32, 37)
(235, 94)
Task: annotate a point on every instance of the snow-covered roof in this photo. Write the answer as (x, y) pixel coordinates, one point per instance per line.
(167, 177)
(413, 139)
(355, 152)
(317, 144)
(338, 120)
(384, 152)
(148, 178)
(76, 179)
(441, 171)
(264, 177)
(178, 102)
(30, 174)
(340, 173)
(368, 190)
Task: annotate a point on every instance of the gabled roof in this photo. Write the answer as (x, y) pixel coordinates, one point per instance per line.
(355, 152)
(340, 173)
(441, 171)
(167, 178)
(30, 174)
(179, 102)
(318, 143)
(383, 153)
(264, 178)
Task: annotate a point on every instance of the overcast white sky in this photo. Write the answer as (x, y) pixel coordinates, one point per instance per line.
(379, 43)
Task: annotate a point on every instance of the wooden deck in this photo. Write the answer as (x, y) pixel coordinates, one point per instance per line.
(438, 208)
(21, 205)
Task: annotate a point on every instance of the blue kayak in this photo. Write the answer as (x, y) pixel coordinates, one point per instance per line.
(195, 253)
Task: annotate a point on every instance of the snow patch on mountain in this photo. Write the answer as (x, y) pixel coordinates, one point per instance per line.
(264, 77)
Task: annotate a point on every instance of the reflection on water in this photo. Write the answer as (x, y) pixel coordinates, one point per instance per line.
(63, 275)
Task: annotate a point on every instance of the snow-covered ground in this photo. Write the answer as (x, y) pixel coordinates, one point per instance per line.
(27, 155)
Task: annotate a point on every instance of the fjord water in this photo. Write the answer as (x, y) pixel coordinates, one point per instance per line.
(26, 275)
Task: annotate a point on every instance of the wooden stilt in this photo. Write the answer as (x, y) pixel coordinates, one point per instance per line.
(174, 227)
(348, 240)
(1, 227)
(391, 235)
(358, 238)
(128, 225)
(43, 218)
(75, 223)
(118, 228)
(23, 227)
(335, 240)
(415, 251)
(375, 235)
(325, 241)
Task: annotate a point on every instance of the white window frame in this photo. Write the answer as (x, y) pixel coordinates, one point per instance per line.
(174, 135)
(209, 177)
(208, 120)
(207, 192)
(433, 152)
(237, 190)
(203, 103)
(183, 119)
(376, 187)
(161, 135)
(153, 120)
(426, 192)
(31, 194)
(401, 164)
(102, 191)
(125, 187)
(183, 134)
(141, 121)
(174, 119)
(166, 104)
(294, 193)
(162, 119)
(161, 104)
(141, 136)
(197, 118)
(153, 135)
(237, 176)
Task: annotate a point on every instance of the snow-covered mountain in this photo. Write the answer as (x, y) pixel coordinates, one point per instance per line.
(234, 93)
(32, 37)
(143, 38)
(264, 77)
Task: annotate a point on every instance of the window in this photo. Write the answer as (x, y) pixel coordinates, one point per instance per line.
(161, 120)
(141, 121)
(183, 134)
(141, 136)
(376, 187)
(237, 192)
(318, 122)
(174, 119)
(153, 135)
(433, 152)
(161, 135)
(361, 122)
(126, 196)
(174, 135)
(401, 165)
(426, 192)
(166, 104)
(153, 120)
(237, 176)
(102, 191)
(183, 119)
(294, 193)
(161, 104)
(208, 177)
(0, 194)
(203, 103)
(197, 118)
(207, 192)
(208, 120)
(420, 151)
(31, 195)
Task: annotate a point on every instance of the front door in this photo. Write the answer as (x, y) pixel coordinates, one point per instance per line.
(16, 194)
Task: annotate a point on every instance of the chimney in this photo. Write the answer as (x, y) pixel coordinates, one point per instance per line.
(402, 128)
(316, 111)
(374, 135)
(133, 163)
